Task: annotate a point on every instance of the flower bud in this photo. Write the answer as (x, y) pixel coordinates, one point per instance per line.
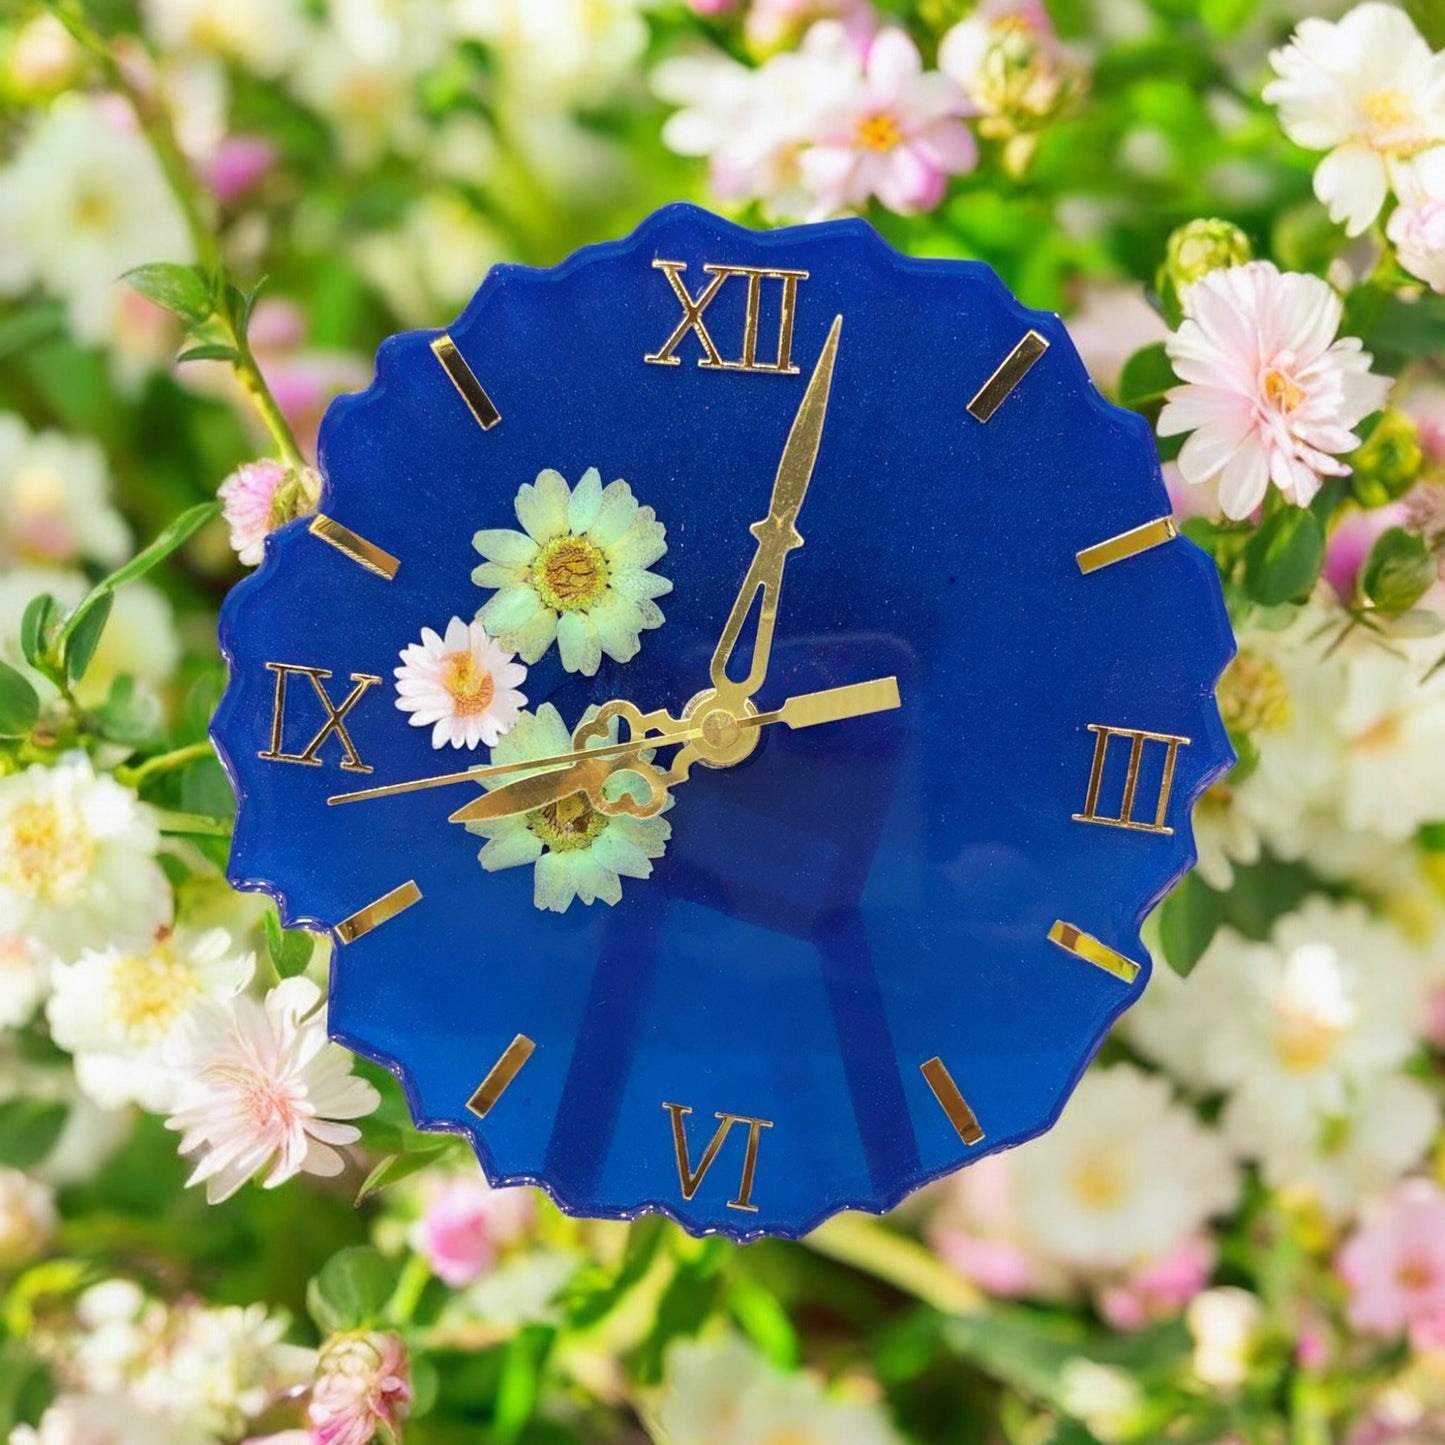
(260, 496)
(362, 1388)
(1198, 247)
(1387, 463)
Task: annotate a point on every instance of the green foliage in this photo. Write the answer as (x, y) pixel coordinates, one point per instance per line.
(29, 1129)
(353, 1289)
(1398, 572)
(19, 703)
(290, 949)
(1282, 559)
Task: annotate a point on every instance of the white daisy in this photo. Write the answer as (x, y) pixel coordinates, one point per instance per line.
(577, 574)
(77, 859)
(258, 1086)
(578, 852)
(1368, 90)
(1269, 393)
(114, 1009)
(461, 686)
(1125, 1176)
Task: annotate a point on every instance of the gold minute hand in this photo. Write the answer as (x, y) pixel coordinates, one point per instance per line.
(588, 774)
(777, 535)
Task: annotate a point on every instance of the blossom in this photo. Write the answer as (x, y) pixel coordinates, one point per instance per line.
(1368, 90)
(1225, 1324)
(362, 1386)
(1161, 1288)
(27, 1218)
(897, 134)
(265, 36)
(78, 1419)
(464, 1225)
(77, 859)
(55, 499)
(1394, 1264)
(719, 1391)
(1416, 226)
(770, 25)
(462, 686)
(115, 1008)
(578, 852)
(1269, 393)
(1126, 1175)
(578, 573)
(260, 496)
(259, 1086)
(83, 201)
(24, 978)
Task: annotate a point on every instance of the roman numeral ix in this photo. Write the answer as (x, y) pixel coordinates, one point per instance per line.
(334, 723)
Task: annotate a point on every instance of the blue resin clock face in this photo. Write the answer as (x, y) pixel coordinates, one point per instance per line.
(869, 950)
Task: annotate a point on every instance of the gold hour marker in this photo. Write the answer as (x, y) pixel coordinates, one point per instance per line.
(1125, 817)
(376, 913)
(501, 1074)
(465, 380)
(1127, 544)
(689, 1178)
(1011, 371)
(954, 1105)
(347, 542)
(1087, 947)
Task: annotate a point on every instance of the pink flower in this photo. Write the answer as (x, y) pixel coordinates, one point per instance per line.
(465, 1224)
(1269, 393)
(1159, 1290)
(897, 134)
(363, 1385)
(1394, 1264)
(237, 164)
(260, 496)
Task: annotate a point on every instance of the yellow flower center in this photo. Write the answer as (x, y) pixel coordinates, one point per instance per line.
(51, 852)
(878, 132)
(1390, 120)
(471, 687)
(1253, 696)
(1281, 391)
(570, 573)
(1098, 1183)
(151, 990)
(568, 824)
(1416, 1274)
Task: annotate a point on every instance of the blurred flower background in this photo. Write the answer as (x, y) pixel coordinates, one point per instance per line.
(1236, 1234)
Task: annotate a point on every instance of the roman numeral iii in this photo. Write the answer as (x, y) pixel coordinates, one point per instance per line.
(690, 1178)
(334, 715)
(694, 306)
(1129, 798)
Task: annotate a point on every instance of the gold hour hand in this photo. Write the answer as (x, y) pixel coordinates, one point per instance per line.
(777, 535)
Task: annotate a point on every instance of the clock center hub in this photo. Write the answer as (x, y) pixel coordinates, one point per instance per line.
(724, 741)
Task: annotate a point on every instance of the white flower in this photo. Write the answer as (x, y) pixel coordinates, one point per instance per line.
(83, 201)
(264, 35)
(27, 1218)
(718, 1391)
(1340, 1160)
(258, 1087)
(95, 1420)
(24, 978)
(1269, 393)
(577, 574)
(115, 1008)
(1124, 1177)
(462, 686)
(1107, 1399)
(579, 852)
(55, 499)
(1225, 1324)
(1329, 1003)
(1368, 90)
(1417, 226)
(77, 859)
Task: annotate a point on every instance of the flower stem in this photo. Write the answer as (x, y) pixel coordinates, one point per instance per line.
(163, 763)
(866, 1245)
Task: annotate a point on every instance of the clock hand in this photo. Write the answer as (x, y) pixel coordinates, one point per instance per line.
(777, 535)
(589, 774)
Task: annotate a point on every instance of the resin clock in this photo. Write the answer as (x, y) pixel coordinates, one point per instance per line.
(736, 703)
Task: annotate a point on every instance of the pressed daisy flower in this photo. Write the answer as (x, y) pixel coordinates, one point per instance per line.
(578, 573)
(461, 686)
(259, 1085)
(578, 852)
(1270, 392)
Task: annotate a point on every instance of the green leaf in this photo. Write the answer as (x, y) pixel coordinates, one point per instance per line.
(180, 289)
(520, 1385)
(594, 1294)
(353, 1289)
(1429, 18)
(290, 948)
(82, 631)
(19, 704)
(396, 1167)
(1188, 918)
(1147, 375)
(129, 714)
(1282, 560)
(1408, 328)
(38, 627)
(1398, 572)
(209, 351)
(30, 326)
(174, 537)
(29, 1129)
